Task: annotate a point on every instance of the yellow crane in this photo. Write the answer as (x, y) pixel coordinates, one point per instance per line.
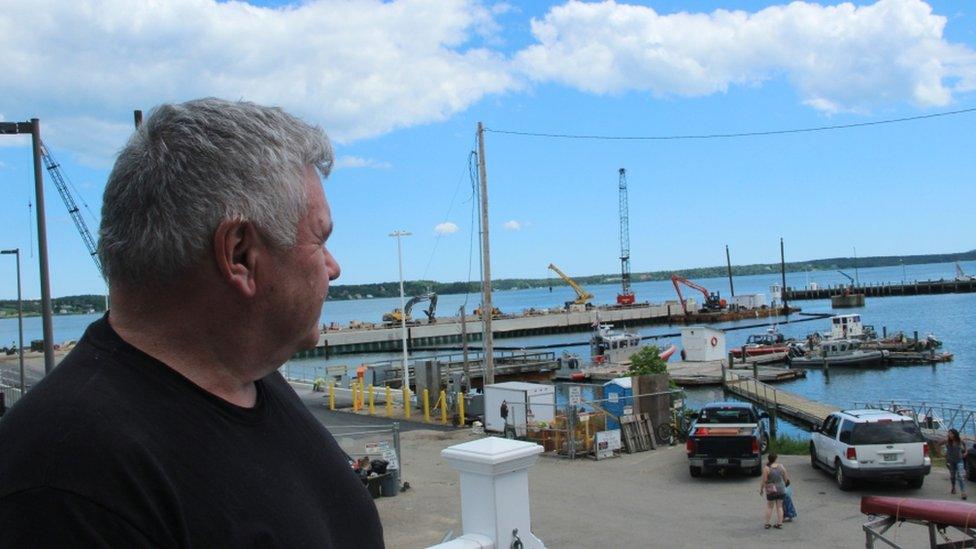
(582, 296)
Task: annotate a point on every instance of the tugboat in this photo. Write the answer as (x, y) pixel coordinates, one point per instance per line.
(763, 344)
(840, 352)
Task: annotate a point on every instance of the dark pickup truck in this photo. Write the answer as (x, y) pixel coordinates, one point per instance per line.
(727, 435)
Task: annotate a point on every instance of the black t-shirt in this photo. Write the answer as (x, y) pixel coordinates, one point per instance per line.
(116, 449)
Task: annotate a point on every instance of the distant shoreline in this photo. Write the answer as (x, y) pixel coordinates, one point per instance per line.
(346, 292)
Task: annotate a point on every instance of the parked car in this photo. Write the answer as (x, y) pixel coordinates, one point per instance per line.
(727, 435)
(870, 444)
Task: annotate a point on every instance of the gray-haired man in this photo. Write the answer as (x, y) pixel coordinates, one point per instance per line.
(168, 425)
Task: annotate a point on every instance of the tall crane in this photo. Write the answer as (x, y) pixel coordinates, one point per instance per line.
(582, 296)
(626, 296)
(54, 169)
(713, 302)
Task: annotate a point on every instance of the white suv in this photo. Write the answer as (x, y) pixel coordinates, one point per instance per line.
(870, 444)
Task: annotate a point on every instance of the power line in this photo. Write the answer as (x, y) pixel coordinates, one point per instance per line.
(730, 135)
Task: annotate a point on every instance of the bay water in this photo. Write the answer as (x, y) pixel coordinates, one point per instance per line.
(951, 317)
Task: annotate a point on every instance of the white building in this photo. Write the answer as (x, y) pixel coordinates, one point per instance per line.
(701, 343)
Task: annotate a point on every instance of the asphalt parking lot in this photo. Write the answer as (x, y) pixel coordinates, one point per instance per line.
(643, 500)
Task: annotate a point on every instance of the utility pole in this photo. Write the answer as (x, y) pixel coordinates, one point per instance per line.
(403, 312)
(857, 278)
(20, 321)
(33, 127)
(728, 262)
(486, 308)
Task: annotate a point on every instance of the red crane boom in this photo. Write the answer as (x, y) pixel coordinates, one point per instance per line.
(712, 300)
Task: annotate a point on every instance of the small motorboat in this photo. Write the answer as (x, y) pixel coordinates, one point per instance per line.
(839, 352)
(763, 344)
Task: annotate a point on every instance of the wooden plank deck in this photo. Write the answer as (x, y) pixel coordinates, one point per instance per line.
(786, 404)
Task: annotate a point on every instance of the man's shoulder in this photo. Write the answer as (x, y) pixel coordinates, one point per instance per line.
(76, 418)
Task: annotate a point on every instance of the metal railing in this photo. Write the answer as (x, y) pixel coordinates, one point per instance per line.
(957, 416)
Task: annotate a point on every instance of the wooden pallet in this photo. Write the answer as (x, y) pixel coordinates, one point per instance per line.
(637, 432)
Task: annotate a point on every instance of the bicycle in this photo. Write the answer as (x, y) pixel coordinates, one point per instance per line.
(674, 431)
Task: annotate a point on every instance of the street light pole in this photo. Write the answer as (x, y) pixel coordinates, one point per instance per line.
(20, 319)
(403, 312)
(33, 127)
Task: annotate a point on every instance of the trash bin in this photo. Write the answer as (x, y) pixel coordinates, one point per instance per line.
(388, 484)
(373, 484)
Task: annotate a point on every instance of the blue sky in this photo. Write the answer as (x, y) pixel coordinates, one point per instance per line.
(400, 86)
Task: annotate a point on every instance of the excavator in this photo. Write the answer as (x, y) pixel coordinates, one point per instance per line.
(582, 296)
(396, 316)
(495, 312)
(713, 302)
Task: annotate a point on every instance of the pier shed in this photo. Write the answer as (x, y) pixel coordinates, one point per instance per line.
(701, 343)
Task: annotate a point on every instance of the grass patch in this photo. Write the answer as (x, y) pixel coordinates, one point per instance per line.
(789, 446)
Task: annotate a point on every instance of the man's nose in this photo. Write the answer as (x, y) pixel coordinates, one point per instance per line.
(333, 266)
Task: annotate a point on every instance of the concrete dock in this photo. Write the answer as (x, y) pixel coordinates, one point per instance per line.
(368, 337)
(885, 290)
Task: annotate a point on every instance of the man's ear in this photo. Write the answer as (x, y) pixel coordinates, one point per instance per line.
(235, 247)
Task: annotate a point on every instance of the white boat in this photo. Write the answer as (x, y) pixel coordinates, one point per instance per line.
(609, 346)
(840, 352)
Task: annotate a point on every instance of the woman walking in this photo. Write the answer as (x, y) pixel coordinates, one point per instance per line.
(773, 484)
(956, 462)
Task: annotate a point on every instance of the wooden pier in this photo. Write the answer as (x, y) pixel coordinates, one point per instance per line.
(926, 287)
(777, 402)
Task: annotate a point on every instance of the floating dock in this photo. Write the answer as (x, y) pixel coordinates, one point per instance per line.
(694, 374)
(782, 403)
(927, 287)
(387, 338)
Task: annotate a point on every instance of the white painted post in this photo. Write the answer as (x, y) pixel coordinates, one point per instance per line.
(495, 489)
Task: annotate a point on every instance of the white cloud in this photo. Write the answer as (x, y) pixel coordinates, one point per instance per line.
(359, 68)
(513, 225)
(839, 57)
(348, 161)
(445, 228)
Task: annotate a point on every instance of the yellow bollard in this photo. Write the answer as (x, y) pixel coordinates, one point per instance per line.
(461, 409)
(372, 409)
(389, 402)
(426, 406)
(354, 389)
(442, 402)
(332, 396)
(406, 403)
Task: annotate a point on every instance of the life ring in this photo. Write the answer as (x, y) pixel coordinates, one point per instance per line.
(714, 341)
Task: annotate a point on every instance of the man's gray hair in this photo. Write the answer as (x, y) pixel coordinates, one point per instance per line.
(190, 167)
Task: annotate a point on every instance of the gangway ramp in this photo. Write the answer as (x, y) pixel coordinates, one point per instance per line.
(782, 403)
